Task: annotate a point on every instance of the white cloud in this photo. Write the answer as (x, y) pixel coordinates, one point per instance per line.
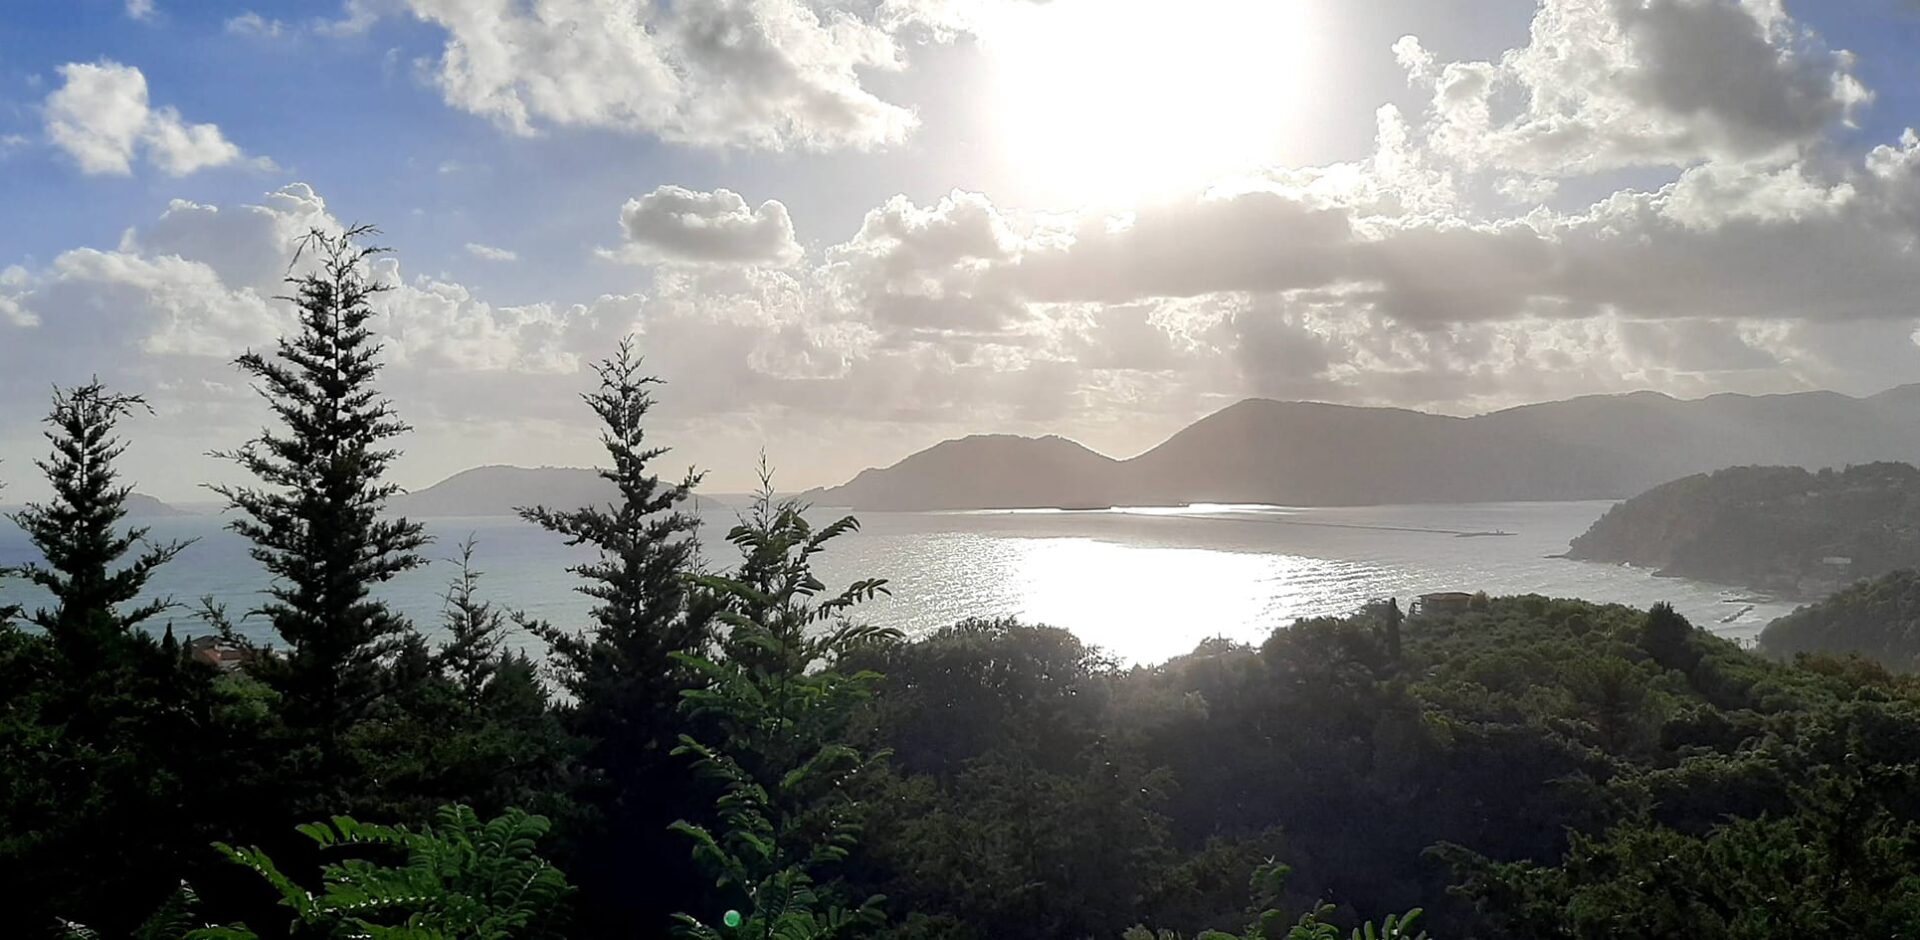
(1603, 84)
(672, 223)
(1749, 255)
(356, 17)
(101, 118)
(253, 24)
(141, 10)
(764, 74)
(490, 253)
(198, 285)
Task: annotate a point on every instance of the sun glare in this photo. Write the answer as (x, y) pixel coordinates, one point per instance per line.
(1116, 101)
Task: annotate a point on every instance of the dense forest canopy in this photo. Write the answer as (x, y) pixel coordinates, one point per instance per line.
(736, 755)
(1787, 530)
(1878, 619)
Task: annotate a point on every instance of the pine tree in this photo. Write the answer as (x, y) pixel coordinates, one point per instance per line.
(316, 522)
(622, 670)
(1668, 638)
(780, 710)
(471, 655)
(91, 742)
(76, 532)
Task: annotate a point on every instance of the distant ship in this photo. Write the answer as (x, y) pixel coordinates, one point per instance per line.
(1480, 535)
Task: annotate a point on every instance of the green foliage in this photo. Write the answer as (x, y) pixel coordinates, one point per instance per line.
(471, 721)
(781, 707)
(315, 521)
(1529, 767)
(644, 549)
(458, 879)
(1010, 812)
(91, 708)
(1782, 529)
(1878, 619)
(471, 656)
(76, 533)
(623, 670)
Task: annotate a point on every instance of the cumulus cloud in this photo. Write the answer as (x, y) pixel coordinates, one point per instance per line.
(1604, 84)
(1748, 255)
(179, 297)
(764, 74)
(141, 10)
(673, 223)
(100, 117)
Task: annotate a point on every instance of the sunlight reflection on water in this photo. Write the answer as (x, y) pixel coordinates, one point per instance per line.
(1144, 584)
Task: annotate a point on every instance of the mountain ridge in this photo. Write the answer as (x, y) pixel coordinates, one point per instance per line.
(1325, 453)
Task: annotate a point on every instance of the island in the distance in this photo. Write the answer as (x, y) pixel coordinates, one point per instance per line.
(142, 506)
(1316, 454)
(1785, 530)
(500, 490)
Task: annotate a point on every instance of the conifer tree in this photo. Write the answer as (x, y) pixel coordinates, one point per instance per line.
(622, 670)
(779, 708)
(315, 520)
(91, 739)
(471, 655)
(1668, 638)
(645, 546)
(76, 532)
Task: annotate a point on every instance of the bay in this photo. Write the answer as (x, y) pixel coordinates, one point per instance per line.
(1143, 584)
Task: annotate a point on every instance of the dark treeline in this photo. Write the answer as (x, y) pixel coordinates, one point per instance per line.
(723, 749)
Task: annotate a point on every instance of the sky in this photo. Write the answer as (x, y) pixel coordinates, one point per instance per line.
(844, 230)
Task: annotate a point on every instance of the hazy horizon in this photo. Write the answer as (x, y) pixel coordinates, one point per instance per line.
(198, 496)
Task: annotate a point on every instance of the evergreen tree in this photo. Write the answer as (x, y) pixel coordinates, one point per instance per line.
(76, 533)
(471, 656)
(780, 709)
(1388, 615)
(315, 522)
(94, 709)
(622, 670)
(470, 721)
(1668, 638)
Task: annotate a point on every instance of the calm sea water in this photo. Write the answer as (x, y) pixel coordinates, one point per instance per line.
(1144, 584)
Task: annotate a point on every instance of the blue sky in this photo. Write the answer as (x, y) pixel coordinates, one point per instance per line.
(846, 229)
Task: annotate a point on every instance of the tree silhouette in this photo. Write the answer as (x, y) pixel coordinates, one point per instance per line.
(622, 669)
(471, 656)
(76, 532)
(315, 522)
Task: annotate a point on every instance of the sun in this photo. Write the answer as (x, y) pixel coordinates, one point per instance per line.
(1118, 101)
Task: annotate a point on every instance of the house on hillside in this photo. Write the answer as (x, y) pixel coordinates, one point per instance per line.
(1442, 604)
(219, 653)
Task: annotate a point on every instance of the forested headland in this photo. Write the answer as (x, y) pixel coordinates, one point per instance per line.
(1787, 530)
(724, 750)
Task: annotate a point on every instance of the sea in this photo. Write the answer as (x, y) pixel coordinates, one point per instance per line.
(1142, 584)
